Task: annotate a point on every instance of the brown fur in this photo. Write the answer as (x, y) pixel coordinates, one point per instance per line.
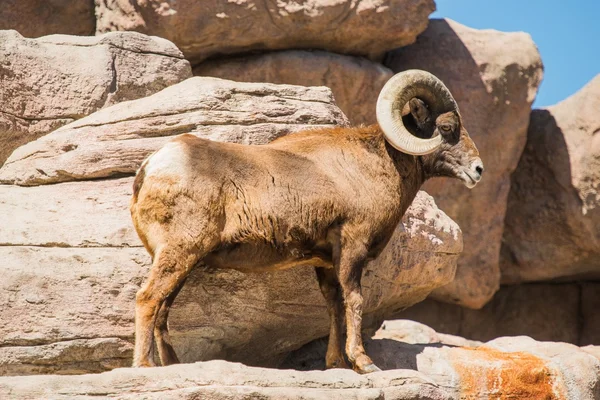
(328, 199)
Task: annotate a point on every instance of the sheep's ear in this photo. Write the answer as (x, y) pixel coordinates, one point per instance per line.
(419, 110)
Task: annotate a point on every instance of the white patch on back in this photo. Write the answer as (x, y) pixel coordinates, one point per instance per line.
(170, 160)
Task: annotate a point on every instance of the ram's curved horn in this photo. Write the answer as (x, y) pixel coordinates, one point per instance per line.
(396, 93)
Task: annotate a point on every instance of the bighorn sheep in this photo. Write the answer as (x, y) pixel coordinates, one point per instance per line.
(328, 199)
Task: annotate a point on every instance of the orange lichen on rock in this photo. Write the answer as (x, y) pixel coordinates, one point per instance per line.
(485, 372)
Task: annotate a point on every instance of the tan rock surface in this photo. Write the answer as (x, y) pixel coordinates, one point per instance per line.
(34, 18)
(553, 219)
(494, 77)
(72, 306)
(202, 29)
(354, 81)
(560, 312)
(51, 81)
(115, 140)
(505, 368)
(510, 367)
(220, 380)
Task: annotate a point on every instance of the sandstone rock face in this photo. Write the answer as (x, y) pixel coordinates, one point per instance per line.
(494, 77)
(115, 140)
(553, 218)
(34, 18)
(202, 29)
(355, 82)
(505, 368)
(220, 380)
(558, 312)
(511, 368)
(51, 81)
(72, 263)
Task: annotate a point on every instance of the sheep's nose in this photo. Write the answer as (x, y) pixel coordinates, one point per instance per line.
(477, 166)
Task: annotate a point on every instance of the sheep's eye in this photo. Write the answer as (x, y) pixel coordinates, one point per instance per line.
(446, 128)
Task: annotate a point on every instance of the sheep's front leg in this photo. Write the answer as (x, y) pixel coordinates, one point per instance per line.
(332, 292)
(351, 262)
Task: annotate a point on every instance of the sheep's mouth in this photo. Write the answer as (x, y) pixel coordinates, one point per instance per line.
(469, 181)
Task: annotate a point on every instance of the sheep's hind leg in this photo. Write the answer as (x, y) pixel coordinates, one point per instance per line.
(332, 292)
(161, 330)
(171, 266)
(351, 262)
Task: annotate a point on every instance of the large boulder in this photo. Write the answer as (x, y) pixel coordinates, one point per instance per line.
(354, 81)
(72, 263)
(115, 140)
(504, 368)
(220, 380)
(507, 368)
(51, 81)
(202, 29)
(34, 18)
(552, 226)
(558, 312)
(494, 77)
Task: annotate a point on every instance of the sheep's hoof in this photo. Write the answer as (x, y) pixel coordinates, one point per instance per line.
(143, 364)
(367, 369)
(364, 365)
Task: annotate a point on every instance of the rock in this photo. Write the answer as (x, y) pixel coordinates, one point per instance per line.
(220, 380)
(505, 368)
(589, 318)
(202, 29)
(34, 18)
(115, 140)
(51, 81)
(547, 312)
(355, 82)
(494, 77)
(75, 314)
(552, 227)
(403, 330)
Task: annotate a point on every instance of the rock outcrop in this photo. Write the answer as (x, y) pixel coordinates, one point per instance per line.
(202, 29)
(354, 81)
(72, 263)
(115, 141)
(494, 77)
(34, 18)
(557, 312)
(51, 81)
(512, 368)
(552, 226)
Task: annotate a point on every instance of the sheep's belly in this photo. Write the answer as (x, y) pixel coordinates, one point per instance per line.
(253, 258)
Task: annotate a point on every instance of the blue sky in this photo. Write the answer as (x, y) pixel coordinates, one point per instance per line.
(566, 32)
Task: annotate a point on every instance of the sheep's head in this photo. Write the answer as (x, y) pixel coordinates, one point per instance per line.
(436, 124)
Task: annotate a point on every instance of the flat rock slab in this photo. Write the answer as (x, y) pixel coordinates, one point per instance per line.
(354, 81)
(69, 285)
(553, 218)
(494, 77)
(505, 368)
(202, 29)
(514, 368)
(220, 380)
(557, 312)
(114, 141)
(54, 80)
